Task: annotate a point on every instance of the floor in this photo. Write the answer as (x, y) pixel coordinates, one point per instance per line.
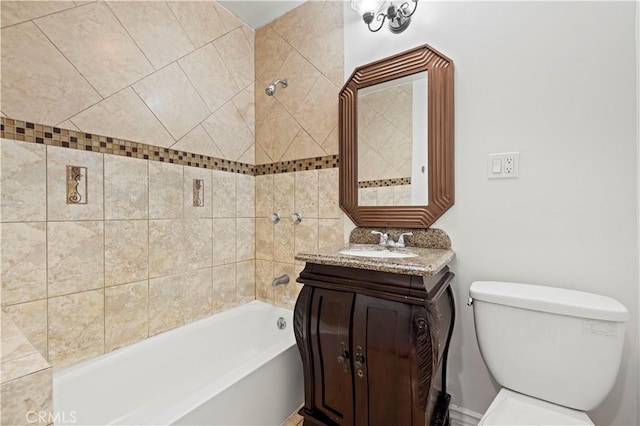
(294, 420)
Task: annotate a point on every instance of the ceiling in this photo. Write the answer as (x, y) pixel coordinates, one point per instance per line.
(256, 13)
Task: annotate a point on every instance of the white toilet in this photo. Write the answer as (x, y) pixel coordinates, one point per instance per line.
(556, 352)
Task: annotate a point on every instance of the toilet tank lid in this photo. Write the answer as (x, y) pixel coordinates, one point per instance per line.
(550, 299)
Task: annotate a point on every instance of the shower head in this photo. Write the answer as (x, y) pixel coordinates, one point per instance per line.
(271, 87)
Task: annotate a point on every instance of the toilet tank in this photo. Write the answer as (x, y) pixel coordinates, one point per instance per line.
(559, 345)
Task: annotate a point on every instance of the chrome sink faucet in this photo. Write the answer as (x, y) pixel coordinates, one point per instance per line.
(387, 241)
(384, 239)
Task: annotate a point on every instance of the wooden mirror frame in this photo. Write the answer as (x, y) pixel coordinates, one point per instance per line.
(440, 138)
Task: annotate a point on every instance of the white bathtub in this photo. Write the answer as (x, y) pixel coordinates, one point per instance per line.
(234, 368)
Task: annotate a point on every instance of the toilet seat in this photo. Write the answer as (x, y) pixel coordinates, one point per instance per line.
(511, 408)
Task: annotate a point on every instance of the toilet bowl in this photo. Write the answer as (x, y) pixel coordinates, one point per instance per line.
(555, 352)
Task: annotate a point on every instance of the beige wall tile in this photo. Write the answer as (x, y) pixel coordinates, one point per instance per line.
(81, 34)
(278, 129)
(166, 184)
(246, 281)
(229, 131)
(261, 156)
(283, 241)
(263, 103)
(31, 319)
(224, 287)
(294, 25)
(402, 195)
(270, 53)
(264, 238)
(368, 196)
(166, 247)
(76, 327)
(154, 28)
(330, 232)
(328, 194)
(245, 196)
(126, 251)
(165, 294)
(250, 35)
(178, 299)
(23, 171)
(75, 257)
(126, 189)
(306, 193)
(191, 211)
(13, 369)
(228, 19)
(57, 161)
(237, 55)
(324, 44)
(50, 94)
(244, 102)
(32, 393)
(264, 196)
(197, 141)
(306, 235)
(224, 194)
(224, 241)
(14, 12)
(198, 243)
(124, 115)
(23, 262)
(210, 76)
(199, 19)
(197, 299)
(264, 277)
(303, 146)
(170, 96)
(318, 113)
(249, 156)
(125, 314)
(302, 76)
(331, 143)
(246, 243)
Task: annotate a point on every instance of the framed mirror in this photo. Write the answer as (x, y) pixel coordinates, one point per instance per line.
(396, 140)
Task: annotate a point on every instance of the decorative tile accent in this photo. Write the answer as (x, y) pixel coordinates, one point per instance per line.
(76, 185)
(198, 193)
(315, 163)
(384, 182)
(25, 131)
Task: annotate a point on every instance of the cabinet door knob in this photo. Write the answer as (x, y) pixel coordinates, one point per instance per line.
(359, 362)
(343, 357)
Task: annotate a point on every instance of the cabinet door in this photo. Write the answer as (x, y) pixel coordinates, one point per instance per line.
(332, 369)
(382, 356)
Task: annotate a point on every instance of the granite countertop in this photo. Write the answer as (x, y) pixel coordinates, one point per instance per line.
(428, 262)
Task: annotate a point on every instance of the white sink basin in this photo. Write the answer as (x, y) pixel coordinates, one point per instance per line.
(377, 253)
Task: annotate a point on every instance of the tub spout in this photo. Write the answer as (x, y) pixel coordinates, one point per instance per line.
(282, 279)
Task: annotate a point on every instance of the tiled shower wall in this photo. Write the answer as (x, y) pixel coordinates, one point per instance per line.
(136, 260)
(304, 46)
(171, 74)
(82, 280)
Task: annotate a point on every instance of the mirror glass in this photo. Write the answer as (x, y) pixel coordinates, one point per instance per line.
(392, 142)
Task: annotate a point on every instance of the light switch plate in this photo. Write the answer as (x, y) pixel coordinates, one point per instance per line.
(503, 165)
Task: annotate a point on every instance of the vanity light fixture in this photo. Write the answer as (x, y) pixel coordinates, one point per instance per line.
(380, 10)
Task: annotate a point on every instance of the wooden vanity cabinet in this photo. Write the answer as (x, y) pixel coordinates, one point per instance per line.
(371, 345)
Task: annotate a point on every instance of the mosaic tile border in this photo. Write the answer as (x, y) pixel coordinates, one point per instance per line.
(25, 131)
(384, 182)
(314, 163)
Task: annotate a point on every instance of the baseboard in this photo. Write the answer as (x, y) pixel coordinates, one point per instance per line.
(460, 416)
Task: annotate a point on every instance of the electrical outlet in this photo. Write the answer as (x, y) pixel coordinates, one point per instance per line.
(503, 165)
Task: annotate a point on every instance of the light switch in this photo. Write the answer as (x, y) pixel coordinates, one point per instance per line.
(496, 166)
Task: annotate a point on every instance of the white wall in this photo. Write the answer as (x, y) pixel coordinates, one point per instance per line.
(556, 82)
